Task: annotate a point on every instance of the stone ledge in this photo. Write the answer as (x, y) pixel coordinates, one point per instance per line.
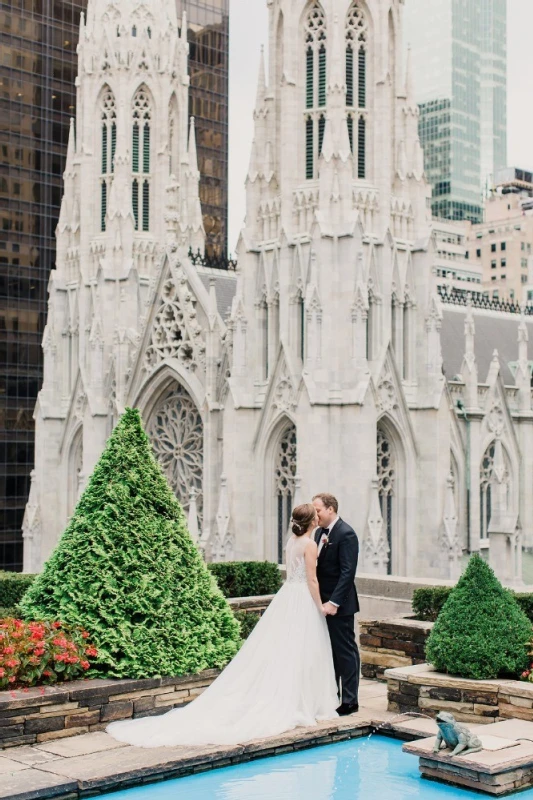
(422, 688)
(390, 643)
(44, 713)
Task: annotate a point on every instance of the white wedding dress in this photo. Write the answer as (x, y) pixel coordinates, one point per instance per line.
(281, 677)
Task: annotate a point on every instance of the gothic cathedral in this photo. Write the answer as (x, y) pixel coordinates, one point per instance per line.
(320, 363)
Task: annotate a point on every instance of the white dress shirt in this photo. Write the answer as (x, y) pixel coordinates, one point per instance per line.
(322, 542)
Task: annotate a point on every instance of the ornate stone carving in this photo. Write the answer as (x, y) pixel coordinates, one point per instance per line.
(496, 419)
(387, 397)
(176, 332)
(285, 395)
(176, 432)
(80, 405)
(375, 545)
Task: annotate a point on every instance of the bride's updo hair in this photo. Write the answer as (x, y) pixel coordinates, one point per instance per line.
(302, 517)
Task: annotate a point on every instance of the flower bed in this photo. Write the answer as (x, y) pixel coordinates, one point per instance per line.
(33, 653)
(391, 643)
(420, 689)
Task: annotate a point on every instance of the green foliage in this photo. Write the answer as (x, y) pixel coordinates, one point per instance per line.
(13, 585)
(127, 570)
(246, 578)
(525, 601)
(428, 602)
(8, 612)
(481, 632)
(247, 620)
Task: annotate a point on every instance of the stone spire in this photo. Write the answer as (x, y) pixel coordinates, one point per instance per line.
(192, 223)
(469, 366)
(523, 375)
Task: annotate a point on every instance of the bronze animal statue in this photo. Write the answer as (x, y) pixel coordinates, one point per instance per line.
(456, 737)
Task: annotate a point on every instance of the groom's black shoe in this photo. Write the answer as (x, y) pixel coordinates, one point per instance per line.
(347, 708)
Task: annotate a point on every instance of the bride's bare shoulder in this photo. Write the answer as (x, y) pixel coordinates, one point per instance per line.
(311, 546)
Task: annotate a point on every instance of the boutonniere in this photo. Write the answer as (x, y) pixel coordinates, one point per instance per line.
(325, 541)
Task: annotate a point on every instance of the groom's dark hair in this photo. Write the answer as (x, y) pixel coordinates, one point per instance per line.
(328, 500)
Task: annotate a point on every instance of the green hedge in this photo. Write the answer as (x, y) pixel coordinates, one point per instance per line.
(248, 620)
(246, 578)
(428, 602)
(234, 578)
(12, 586)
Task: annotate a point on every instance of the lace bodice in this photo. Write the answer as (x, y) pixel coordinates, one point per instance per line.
(295, 559)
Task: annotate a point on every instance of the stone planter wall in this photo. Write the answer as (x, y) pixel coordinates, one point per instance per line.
(420, 689)
(391, 643)
(53, 712)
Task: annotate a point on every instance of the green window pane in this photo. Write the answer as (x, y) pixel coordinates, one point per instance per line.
(322, 76)
(309, 155)
(135, 203)
(361, 148)
(146, 148)
(349, 122)
(113, 144)
(362, 78)
(309, 90)
(146, 206)
(321, 129)
(135, 148)
(349, 76)
(104, 149)
(103, 205)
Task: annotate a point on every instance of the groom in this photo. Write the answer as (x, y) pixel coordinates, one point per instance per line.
(338, 549)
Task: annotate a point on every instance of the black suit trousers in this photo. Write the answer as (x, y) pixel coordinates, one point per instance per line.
(346, 659)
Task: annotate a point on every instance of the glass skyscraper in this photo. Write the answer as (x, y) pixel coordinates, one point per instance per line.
(459, 61)
(38, 66)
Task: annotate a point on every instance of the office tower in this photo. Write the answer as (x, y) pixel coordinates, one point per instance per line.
(458, 51)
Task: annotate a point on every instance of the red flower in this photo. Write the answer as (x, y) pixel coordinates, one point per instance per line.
(12, 662)
(9, 650)
(84, 664)
(46, 674)
(11, 679)
(85, 634)
(56, 625)
(91, 651)
(3, 672)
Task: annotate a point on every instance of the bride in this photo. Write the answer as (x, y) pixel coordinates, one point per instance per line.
(281, 677)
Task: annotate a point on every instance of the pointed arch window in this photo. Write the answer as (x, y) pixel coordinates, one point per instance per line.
(315, 85)
(141, 158)
(284, 481)
(357, 38)
(486, 482)
(108, 116)
(386, 473)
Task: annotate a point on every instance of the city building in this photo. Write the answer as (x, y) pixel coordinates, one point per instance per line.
(453, 267)
(345, 363)
(38, 66)
(501, 245)
(459, 59)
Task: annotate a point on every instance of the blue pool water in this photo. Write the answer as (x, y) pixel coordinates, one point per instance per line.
(360, 769)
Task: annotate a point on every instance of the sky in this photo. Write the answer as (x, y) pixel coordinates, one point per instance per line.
(249, 30)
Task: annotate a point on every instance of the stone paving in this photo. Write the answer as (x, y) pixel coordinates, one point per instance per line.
(94, 762)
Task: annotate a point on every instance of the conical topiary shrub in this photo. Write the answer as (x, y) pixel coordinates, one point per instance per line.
(481, 632)
(127, 570)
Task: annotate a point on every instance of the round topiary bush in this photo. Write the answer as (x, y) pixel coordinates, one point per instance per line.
(481, 632)
(127, 570)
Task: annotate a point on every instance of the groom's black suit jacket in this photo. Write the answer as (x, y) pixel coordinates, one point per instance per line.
(336, 567)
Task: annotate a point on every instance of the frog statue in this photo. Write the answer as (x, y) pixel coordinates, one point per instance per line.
(455, 736)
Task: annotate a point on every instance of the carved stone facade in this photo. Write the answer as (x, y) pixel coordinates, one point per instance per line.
(339, 367)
